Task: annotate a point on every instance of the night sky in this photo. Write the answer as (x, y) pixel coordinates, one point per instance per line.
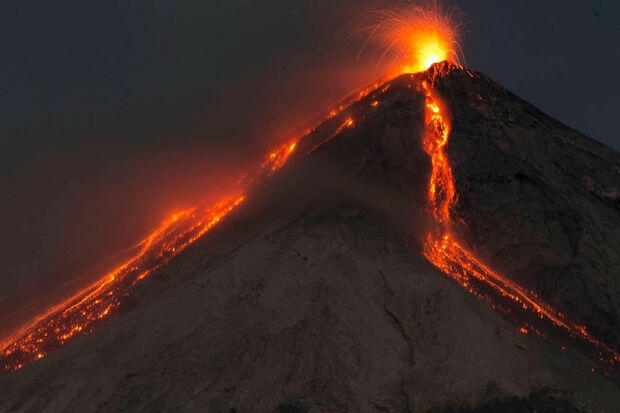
(115, 113)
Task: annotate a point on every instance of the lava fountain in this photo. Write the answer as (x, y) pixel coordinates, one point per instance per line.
(414, 37)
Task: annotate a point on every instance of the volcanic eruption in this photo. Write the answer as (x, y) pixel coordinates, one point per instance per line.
(334, 256)
(414, 37)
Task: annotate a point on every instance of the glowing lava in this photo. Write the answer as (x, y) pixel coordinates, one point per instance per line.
(83, 311)
(441, 191)
(454, 259)
(415, 37)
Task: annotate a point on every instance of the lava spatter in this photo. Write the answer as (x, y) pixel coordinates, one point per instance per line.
(413, 37)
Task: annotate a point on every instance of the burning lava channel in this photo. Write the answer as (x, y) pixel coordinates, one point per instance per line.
(86, 309)
(454, 259)
(417, 38)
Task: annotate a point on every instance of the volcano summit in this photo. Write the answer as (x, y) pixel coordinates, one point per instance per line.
(435, 241)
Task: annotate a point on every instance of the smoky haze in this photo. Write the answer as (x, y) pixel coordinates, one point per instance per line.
(114, 114)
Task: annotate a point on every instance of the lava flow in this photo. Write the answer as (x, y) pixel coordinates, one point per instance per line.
(83, 311)
(86, 309)
(426, 38)
(454, 259)
(415, 38)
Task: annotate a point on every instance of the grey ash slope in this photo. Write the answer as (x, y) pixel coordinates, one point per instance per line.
(315, 292)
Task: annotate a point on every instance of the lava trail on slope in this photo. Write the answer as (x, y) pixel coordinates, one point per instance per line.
(85, 310)
(457, 261)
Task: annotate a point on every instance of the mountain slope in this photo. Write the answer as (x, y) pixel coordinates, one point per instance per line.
(541, 200)
(315, 292)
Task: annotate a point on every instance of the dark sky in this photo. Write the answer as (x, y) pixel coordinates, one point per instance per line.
(115, 113)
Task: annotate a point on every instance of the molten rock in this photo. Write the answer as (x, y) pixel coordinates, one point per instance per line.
(315, 294)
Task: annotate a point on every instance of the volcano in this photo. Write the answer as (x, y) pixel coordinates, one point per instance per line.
(436, 241)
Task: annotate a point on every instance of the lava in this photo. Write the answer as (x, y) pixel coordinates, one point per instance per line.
(86, 309)
(414, 37)
(83, 311)
(417, 38)
(441, 192)
(454, 259)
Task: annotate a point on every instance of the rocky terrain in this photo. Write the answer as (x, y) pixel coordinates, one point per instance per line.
(314, 295)
(541, 201)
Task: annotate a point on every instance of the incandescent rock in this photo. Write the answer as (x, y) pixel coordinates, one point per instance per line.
(314, 296)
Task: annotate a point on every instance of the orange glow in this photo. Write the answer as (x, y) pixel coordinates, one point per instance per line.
(86, 309)
(456, 260)
(419, 44)
(83, 311)
(416, 36)
(278, 157)
(441, 191)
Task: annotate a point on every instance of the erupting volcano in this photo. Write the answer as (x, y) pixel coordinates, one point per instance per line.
(290, 287)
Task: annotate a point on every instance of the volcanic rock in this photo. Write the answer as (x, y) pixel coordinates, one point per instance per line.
(542, 201)
(314, 295)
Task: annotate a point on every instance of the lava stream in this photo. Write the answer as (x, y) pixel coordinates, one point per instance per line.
(85, 310)
(456, 260)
